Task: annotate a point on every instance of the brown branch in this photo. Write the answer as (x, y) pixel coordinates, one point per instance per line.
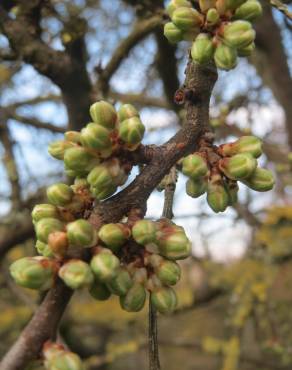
(140, 100)
(32, 121)
(283, 8)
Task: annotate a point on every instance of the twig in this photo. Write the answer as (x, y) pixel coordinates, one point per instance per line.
(283, 8)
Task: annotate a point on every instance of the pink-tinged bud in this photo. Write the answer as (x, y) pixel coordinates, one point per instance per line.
(238, 34)
(245, 144)
(104, 114)
(174, 4)
(168, 272)
(131, 130)
(225, 57)
(76, 274)
(58, 358)
(194, 166)
(135, 298)
(105, 265)
(114, 235)
(249, 11)
(173, 243)
(217, 196)
(205, 5)
(173, 33)
(196, 188)
(164, 300)
(203, 49)
(239, 166)
(144, 232)
(57, 148)
(44, 211)
(99, 291)
(81, 234)
(127, 111)
(58, 243)
(260, 180)
(80, 160)
(60, 194)
(46, 226)
(186, 18)
(96, 137)
(121, 283)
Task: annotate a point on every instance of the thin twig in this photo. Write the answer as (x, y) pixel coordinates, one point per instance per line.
(283, 8)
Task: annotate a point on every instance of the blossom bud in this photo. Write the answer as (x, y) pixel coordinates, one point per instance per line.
(144, 231)
(76, 274)
(95, 136)
(64, 360)
(173, 33)
(102, 193)
(121, 283)
(79, 160)
(212, 16)
(247, 50)
(100, 177)
(59, 194)
(232, 190)
(245, 144)
(57, 148)
(105, 265)
(238, 34)
(44, 211)
(127, 111)
(249, 11)
(196, 188)
(186, 18)
(81, 234)
(239, 166)
(140, 275)
(58, 243)
(104, 114)
(205, 5)
(33, 272)
(73, 136)
(43, 249)
(46, 226)
(114, 235)
(217, 196)
(132, 130)
(225, 57)
(203, 49)
(174, 244)
(174, 4)
(260, 180)
(191, 34)
(194, 166)
(99, 291)
(164, 299)
(168, 272)
(135, 298)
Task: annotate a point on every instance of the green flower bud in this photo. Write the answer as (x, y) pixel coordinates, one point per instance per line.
(43, 249)
(46, 226)
(260, 180)
(79, 159)
(64, 360)
(57, 148)
(135, 298)
(203, 49)
(174, 4)
(246, 144)
(247, 50)
(191, 34)
(144, 231)
(238, 34)
(81, 234)
(76, 274)
(168, 272)
(104, 114)
(100, 177)
(206, 5)
(232, 190)
(212, 17)
(132, 130)
(240, 166)
(59, 194)
(127, 111)
(44, 211)
(217, 196)
(95, 136)
(173, 33)
(105, 265)
(196, 188)
(225, 57)
(102, 193)
(186, 18)
(33, 272)
(73, 136)
(114, 235)
(99, 291)
(174, 244)
(249, 11)
(121, 283)
(194, 166)
(164, 299)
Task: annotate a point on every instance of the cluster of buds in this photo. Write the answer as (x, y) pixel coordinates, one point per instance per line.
(216, 171)
(219, 29)
(56, 357)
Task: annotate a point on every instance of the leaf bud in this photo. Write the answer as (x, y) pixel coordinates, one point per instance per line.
(239, 166)
(225, 57)
(99, 291)
(104, 114)
(127, 111)
(60, 194)
(249, 10)
(238, 34)
(173, 33)
(132, 130)
(46, 226)
(245, 144)
(144, 231)
(76, 274)
(95, 136)
(196, 188)
(194, 166)
(135, 298)
(186, 18)
(174, 4)
(114, 235)
(202, 49)
(164, 299)
(57, 148)
(168, 272)
(260, 180)
(121, 283)
(217, 196)
(44, 211)
(81, 234)
(105, 265)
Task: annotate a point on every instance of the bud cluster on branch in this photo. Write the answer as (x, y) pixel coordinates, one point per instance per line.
(219, 29)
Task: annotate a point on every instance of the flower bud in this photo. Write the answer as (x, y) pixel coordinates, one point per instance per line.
(46, 226)
(59, 194)
(186, 18)
(203, 49)
(191, 34)
(58, 243)
(135, 298)
(33, 272)
(174, 4)
(51, 349)
(205, 5)
(132, 130)
(232, 190)
(105, 265)
(247, 50)
(173, 33)
(76, 274)
(194, 166)
(217, 196)
(121, 283)
(196, 188)
(100, 177)
(104, 114)
(114, 235)
(79, 160)
(99, 291)
(260, 180)
(238, 34)
(168, 272)
(44, 211)
(249, 11)
(95, 136)
(239, 166)
(43, 249)
(212, 17)
(57, 148)
(245, 144)
(144, 231)
(127, 111)
(64, 360)
(225, 57)
(102, 193)
(73, 136)
(174, 244)
(164, 299)
(81, 234)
